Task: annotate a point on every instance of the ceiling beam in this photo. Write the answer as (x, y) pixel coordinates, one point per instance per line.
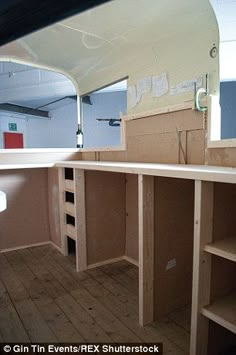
(21, 17)
(24, 110)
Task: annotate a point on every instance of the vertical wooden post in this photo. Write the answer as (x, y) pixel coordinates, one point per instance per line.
(80, 220)
(146, 248)
(203, 225)
(61, 179)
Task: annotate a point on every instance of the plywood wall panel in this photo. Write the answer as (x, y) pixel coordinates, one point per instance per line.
(113, 156)
(105, 215)
(26, 220)
(88, 156)
(222, 157)
(153, 148)
(224, 225)
(132, 241)
(196, 147)
(174, 137)
(174, 220)
(184, 120)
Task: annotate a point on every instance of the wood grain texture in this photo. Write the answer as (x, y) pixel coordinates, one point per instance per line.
(189, 172)
(225, 248)
(203, 234)
(132, 245)
(80, 213)
(223, 312)
(146, 248)
(184, 120)
(53, 206)
(64, 298)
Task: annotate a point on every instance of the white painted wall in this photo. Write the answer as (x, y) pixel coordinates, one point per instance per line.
(5, 119)
(104, 105)
(57, 132)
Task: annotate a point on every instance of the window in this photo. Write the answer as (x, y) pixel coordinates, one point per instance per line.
(100, 112)
(38, 108)
(223, 116)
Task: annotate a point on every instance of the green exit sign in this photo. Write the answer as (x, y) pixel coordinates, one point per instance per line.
(12, 126)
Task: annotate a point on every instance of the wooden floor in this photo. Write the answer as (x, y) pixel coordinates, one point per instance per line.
(43, 299)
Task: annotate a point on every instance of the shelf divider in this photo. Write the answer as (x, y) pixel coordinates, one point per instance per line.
(225, 248)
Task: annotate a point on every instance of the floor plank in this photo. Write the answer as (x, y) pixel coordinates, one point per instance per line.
(84, 324)
(40, 285)
(51, 312)
(116, 330)
(11, 327)
(31, 318)
(121, 309)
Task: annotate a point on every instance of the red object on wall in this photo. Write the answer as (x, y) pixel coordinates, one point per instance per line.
(13, 140)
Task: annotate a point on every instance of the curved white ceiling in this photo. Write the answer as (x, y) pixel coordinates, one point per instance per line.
(102, 39)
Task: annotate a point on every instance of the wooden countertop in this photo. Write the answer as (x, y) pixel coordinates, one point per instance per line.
(25, 166)
(192, 172)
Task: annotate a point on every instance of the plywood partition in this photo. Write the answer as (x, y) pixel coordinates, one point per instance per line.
(105, 216)
(173, 244)
(25, 222)
(172, 135)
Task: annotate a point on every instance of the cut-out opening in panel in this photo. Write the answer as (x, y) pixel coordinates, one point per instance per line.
(69, 197)
(71, 246)
(70, 220)
(100, 116)
(69, 173)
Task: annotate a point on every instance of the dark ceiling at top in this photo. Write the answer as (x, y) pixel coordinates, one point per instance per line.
(21, 17)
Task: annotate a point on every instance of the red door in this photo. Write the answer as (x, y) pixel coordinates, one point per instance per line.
(13, 140)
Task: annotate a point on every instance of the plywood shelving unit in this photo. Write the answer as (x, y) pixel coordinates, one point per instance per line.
(214, 246)
(223, 312)
(72, 213)
(225, 248)
(213, 298)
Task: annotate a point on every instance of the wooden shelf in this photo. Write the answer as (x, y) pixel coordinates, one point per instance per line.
(69, 208)
(70, 231)
(223, 312)
(192, 172)
(225, 248)
(69, 185)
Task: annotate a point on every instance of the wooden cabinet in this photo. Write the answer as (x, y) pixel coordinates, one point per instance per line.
(214, 267)
(72, 213)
